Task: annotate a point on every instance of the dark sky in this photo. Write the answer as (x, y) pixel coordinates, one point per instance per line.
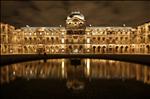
(54, 13)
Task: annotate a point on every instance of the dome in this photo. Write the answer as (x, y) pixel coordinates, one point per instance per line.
(76, 14)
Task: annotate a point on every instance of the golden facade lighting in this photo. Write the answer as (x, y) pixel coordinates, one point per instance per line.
(75, 37)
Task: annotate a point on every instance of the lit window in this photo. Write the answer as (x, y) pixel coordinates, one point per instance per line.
(62, 40)
(88, 40)
(63, 50)
(88, 50)
(57, 50)
(62, 46)
(62, 33)
(75, 51)
(52, 50)
(88, 45)
(11, 51)
(14, 73)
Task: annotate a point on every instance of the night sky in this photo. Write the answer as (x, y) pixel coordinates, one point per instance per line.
(54, 13)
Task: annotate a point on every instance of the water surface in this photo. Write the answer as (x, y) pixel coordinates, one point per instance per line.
(75, 78)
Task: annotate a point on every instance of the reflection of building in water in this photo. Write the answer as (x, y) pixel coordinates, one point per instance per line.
(75, 37)
(61, 69)
(75, 84)
(115, 69)
(38, 69)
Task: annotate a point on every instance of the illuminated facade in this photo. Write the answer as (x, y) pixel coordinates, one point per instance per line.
(76, 37)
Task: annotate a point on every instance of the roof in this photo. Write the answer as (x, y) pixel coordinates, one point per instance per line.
(76, 14)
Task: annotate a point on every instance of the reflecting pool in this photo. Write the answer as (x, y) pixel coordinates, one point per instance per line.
(75, 78)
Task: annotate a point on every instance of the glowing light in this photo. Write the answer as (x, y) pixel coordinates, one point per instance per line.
(75, 51)
(62, 46)
(63, 33)
(62, 40)
(11, 51)
(63, 50)
(88, 50)
(112, 61)
(14, 73)
(88, 45)
(88, 40)
(52, 50)
(88, 67)
(63, 68)
(57, 50)
(31, 72)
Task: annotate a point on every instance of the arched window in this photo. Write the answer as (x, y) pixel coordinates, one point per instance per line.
(121, 49)
(148, 48)
(98, 48)
(94, 48)
(126, 49)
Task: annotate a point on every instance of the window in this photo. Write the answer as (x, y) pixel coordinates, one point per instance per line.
(149, 28)
(62, 40)
(88, 40)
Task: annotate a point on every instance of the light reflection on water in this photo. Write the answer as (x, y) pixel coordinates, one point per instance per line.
(63, 69)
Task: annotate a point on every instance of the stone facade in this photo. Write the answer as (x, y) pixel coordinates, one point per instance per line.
(75, 38)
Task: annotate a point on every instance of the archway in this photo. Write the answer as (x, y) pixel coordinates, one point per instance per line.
(25, 49)
(52, 40)
(47, 49)
(70, 49)
(141, 48)
(126, 49)
(98, 49)
(56, 49)
(52, 49)
(80, 48)
(147, 48)
(104, 49)
(121, 49)
(116, 49)
(94, 49)
(110, 49)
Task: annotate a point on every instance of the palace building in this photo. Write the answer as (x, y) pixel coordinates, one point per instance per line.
(76, 37)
